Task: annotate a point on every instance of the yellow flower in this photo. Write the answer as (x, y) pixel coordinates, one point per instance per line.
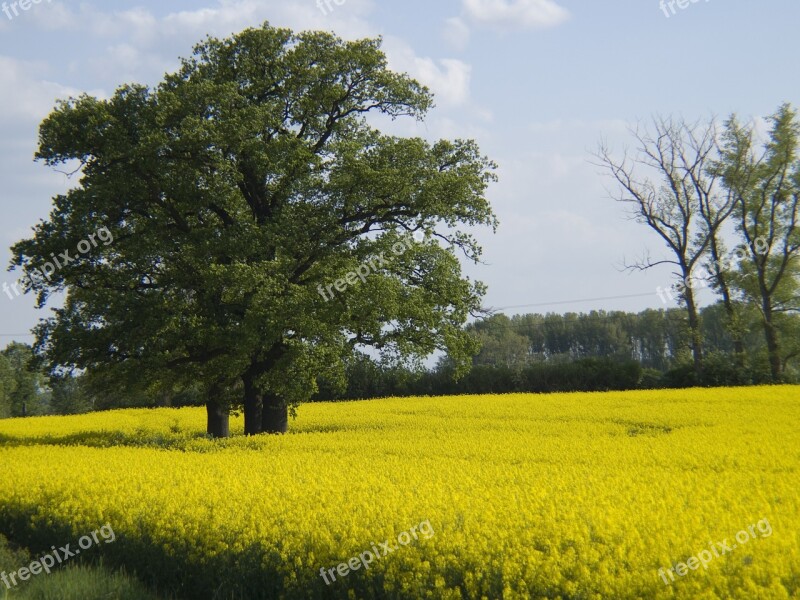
(527, 496)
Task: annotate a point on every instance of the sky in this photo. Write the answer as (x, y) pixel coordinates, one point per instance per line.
(537, 83)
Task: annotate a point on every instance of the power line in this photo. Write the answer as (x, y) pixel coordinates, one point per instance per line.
(649, 294)
(667, 317)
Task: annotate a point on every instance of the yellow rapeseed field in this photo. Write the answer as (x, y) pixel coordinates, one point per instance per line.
(574, 496)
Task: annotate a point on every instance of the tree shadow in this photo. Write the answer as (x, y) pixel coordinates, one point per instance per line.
(105, 439)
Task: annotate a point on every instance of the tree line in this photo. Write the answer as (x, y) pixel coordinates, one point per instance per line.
(595, 351)
(700, 188)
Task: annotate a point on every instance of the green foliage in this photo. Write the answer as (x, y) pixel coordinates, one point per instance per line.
(234, 191)
(83, 583)
(765, 182)
(651, 379)
(68, 396)
(11, 557)
(26, 386)
(590, 374)
(365, 378)
(74, 582)
(8, 385)
(549, 353)
(500, 342)
(652, 337)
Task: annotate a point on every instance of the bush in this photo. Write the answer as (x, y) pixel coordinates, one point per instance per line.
(682, 376)
(589, 375)
(651, 379)
(721, 370)
(586, 375)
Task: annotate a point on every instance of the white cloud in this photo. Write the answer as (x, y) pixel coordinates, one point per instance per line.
(144, 46)
(129, 63)
(516, 14)
(51, 17)
(448, 78)
(456, 33)
(139, 46)
(24, 94)
(231, 16)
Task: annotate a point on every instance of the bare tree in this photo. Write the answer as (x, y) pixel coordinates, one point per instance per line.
(670, 186)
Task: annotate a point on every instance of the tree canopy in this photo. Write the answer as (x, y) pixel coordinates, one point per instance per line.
(233, 192)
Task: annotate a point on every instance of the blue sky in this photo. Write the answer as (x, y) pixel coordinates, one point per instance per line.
(536, 82)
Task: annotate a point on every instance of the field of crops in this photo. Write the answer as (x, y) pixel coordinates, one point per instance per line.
(523, 496)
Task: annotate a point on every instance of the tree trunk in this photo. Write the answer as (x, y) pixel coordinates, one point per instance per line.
(773, 346)
(275, 415)
(694, 329)
(738, 351)
(734, 330)
(218, 423)
(730, 310)
(263, 414)
(252, 408)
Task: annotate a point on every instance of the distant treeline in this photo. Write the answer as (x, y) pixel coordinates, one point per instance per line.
(369, 380)
(588, 352)
(26, 390)
(525, 353)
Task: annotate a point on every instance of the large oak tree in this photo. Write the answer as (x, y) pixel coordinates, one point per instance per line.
(234, 190)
